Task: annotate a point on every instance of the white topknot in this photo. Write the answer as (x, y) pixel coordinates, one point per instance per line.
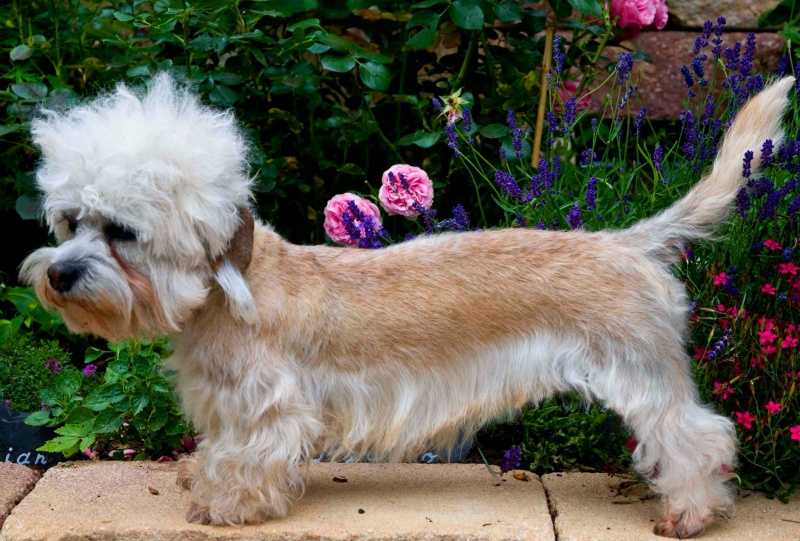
(157, 160)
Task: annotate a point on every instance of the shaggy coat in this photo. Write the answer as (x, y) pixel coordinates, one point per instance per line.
(286, 351)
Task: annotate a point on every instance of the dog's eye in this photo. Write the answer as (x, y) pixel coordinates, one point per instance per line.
(118, 232)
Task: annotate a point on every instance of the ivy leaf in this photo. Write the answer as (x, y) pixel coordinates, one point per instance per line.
(375, 76)
(508, 11)
(20, 53)
(420, 138)
(587, 7)
(467, 14)
(422, 40)
(38, 418)
(92, 354)
(339, 64)
(494, 131)
(427, 4)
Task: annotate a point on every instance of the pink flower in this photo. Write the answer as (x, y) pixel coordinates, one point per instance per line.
(720, 279)
(568, 90)
(789, 342)
(662, 15)
(128, 454)
(723, 390)
(405, 190)
(768, 289)
(794, 432)
(773, 407)
(772, 245)
(745, 418)
(639, 14)
(335, 225)
(788, 268)
(90, 453)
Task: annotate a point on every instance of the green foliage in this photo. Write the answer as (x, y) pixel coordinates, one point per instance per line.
(130, 405)
(566, 434)
(23, 370)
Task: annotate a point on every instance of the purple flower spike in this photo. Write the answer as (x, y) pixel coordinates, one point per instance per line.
(89, 370)
(512, 459)
(574, 218)
(507, 183)
(748, 159)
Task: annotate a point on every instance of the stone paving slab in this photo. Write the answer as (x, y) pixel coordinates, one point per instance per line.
(15, 482)
(597, 507)
(114, 500)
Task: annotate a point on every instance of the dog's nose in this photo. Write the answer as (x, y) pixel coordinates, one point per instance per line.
(63, 275)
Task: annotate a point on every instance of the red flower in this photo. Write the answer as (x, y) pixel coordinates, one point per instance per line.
(766, 336)
(773, 407)
(772, 245)
(745, 418)
(720, 279)
(699, 353)
(794, 432)
(789, 342)
(788, 268)
(723, 390)
(768, 289)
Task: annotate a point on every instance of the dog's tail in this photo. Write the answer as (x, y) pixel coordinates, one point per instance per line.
(696, 215)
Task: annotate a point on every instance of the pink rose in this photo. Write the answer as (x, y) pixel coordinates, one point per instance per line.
(568, 91)
(405, 189)
(343, 225)
(662, 15)
(639, 14)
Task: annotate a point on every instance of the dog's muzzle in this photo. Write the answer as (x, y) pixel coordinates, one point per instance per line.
(64, 274)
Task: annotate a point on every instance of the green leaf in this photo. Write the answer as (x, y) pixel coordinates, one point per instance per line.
(30, 91)
(86, 442)
(508, 11)
(92, 354)
(78, 430)
(223, 96)
(5, 129)
(123, 17)
(375, 76)
(427, 4)
(79, 415)
(102, 397)
(138, 71)
(423, 39)
(302, 25)
(28, 208)
(20, 53)
(68, 445)
(510, 153)
(226, 78)
(494, 131)
(318, 48)
(38, 418)
(467, 14)
(67, 383)
(139, 404)
(587, 7)
(420, 138)
(107, 422)
(339, 64)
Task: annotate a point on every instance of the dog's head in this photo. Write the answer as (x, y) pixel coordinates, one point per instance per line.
(147, 195)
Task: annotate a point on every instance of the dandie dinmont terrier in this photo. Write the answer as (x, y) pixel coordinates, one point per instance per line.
(285, 351)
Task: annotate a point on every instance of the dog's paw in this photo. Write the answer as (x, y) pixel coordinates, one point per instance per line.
(198, 514)
(678, 528)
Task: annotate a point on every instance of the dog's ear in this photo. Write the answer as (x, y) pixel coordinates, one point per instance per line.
(231, 267)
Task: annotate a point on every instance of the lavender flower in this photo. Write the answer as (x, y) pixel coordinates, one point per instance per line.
(507, 183)
(766, 153)
(558, 55)
(587, 157)
(658, 157)
(466, 120)
(717, 40)
(89, 370)
(698, 68)
(624, 67)
(783, 66)
(570, 111)
(516, 133)
(743, 202)
(731, 56)
(452, 137)
(746, 64)
(689, 134)
(794, 206)
(552, 123)
(512, 459)
(437, 104)
(748, 159)
(627, 95)
(574, 217)
(459, 221)
(719, 346)
(591, 193)
(687, 77)
(708, 110)
(520, 220)
(638, 119)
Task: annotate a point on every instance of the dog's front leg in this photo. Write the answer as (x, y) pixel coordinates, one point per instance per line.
(249, 462)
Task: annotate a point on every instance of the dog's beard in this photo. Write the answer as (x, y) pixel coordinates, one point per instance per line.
(113, 299)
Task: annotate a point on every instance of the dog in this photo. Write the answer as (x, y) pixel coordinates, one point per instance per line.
(284, 351)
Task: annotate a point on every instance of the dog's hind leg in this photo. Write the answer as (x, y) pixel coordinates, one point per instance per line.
(685, 450)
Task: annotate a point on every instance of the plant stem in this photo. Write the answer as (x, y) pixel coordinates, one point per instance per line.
(465, 64)
(548, 55)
